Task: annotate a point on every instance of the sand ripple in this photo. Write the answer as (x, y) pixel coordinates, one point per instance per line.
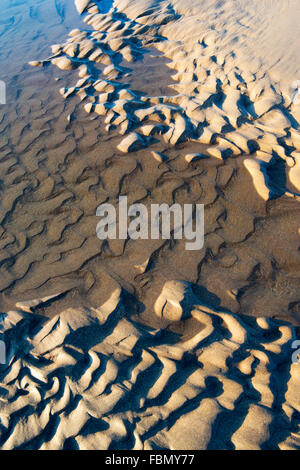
(228, 96)
(225, 133)
(95, 379)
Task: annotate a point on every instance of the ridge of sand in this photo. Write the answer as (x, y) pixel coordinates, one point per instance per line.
(228, 96)
(200, 376)
(57, 165)
(95, 379)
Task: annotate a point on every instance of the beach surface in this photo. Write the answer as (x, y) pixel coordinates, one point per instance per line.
(141, 344)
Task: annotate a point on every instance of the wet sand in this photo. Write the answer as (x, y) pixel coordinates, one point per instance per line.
(212, 330)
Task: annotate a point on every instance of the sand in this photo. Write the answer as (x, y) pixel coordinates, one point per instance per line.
(95, 379)
(141, 344)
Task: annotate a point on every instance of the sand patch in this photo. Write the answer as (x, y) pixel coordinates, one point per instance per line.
(94, 379)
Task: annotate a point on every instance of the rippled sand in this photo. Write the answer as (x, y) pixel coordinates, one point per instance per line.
(142, 344)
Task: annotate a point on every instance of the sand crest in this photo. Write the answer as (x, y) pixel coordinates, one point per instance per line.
(225, 96)
(94, 379)
(141, 344)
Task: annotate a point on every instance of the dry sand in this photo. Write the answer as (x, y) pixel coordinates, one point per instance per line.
(142, 344)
